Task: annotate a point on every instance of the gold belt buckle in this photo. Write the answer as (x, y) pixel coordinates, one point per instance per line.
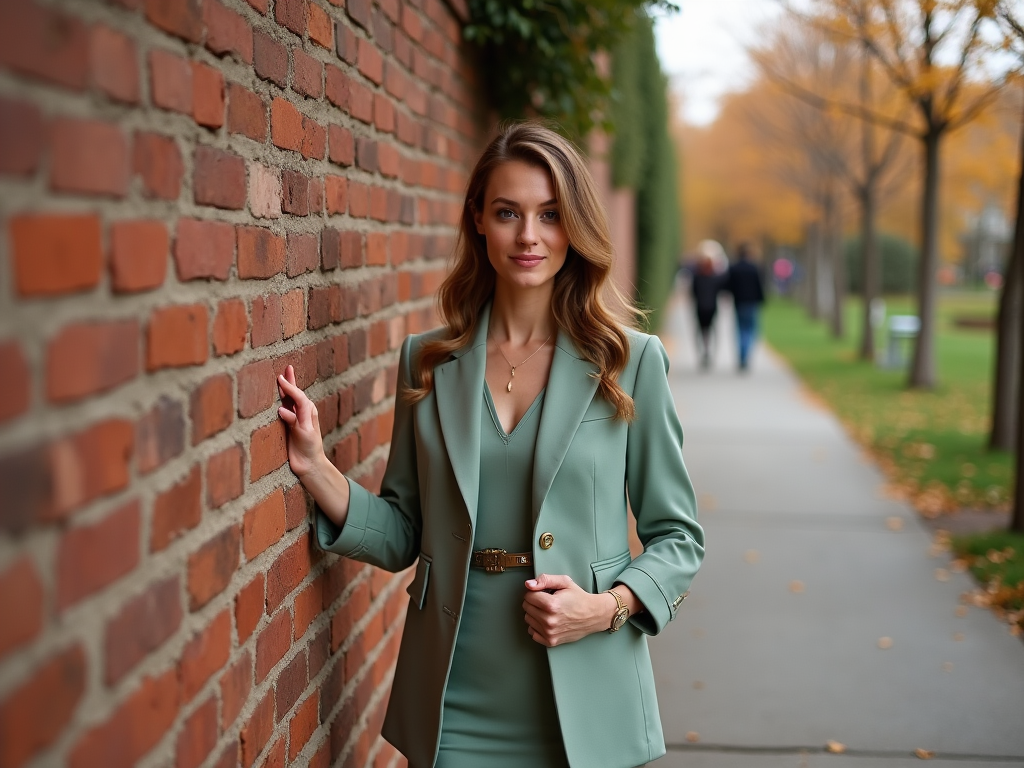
(491, 560)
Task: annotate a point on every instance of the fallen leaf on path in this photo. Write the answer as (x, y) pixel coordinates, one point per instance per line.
(961, 611)
(924, 754)
(885, 643)
(707, 502)
(751, 556)
(958, 637)
(698, 685)
(692, 736)
(947, 666)
(796, 587)
(894, 523)
(958, 566)
(835, 747)
(942, 574)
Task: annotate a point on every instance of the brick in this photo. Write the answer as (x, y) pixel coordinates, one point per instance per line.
(272, 644)
(211, 406)
(268, 450)
(321, 312)
(86, 359)
(198, 736)
(113, 64)
(350, 612)
(44, 44)
(307, 606)
(257, 731)
(94, 556)
(360, 103)
(371, 63)
(230, 327)
(142, 625)
(291, 14)
(133, 729)
(176, 510)
(21, 604)
(287, 571)
(257, 388)
(321, 27)
(305, 721)
(319, 651)
(160, 434)
(261, 253)
(210, 568)
(250, 605)
(26, 485)
(177, 337)
(360, 11)
(266, 320)
(263, 525)
(378, 203)
(224, 476)
(285, 125)
(316, 196)
(377, 249)
(235, 685)
(138, 258)
(338, 87)
(182, 18)
(383, 113)
(345, 42)
(308, 78)
(290, 683)
(260, 6)
(389, 160)
(21, 137)
(34, 714)
(293, 313)
(331, 250)
(207, 95)
(270, 59)
(227, 31)
(204, 249)
(247, 114)
(55, 254)
(170, 81)
(295, 193)
(218, 178)
(366, 155)
(264, 191)
(336, 194)
(341, 144)
(157, 160)
(205, 654)
(352, 250)
(303, 254)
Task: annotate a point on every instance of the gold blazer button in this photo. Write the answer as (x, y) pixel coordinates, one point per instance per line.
(546, 540)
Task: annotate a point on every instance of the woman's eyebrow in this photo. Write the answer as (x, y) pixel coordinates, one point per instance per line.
(506, 201)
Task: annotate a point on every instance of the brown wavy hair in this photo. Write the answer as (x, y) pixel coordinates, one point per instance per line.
(586, 303)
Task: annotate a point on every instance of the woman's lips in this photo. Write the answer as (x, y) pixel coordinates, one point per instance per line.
(527, 259)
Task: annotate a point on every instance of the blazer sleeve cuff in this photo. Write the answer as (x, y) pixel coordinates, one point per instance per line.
(350, 539)
(657, 609)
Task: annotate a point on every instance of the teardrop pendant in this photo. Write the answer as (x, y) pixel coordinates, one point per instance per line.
(509, 387)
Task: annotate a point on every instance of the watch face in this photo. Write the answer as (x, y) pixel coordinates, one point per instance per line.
(620, 618)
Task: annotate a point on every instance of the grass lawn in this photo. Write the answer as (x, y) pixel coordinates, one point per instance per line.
(931, 444)
(996, 559)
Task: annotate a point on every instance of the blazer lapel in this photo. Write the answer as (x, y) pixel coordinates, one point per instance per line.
(571, 387)
(458, 387)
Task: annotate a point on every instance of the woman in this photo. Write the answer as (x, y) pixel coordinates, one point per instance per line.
(705, 286)
(518, 427)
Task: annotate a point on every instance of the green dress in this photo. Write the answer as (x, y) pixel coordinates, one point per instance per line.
(499, 707)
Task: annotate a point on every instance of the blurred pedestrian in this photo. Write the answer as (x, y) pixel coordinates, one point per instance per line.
(706, 283)
(747, 288)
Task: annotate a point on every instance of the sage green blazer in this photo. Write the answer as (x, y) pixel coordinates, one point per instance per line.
(586, 462)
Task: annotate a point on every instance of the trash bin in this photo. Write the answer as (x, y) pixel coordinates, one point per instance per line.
(902, 330)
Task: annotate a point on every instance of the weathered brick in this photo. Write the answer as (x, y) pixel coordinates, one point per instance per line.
(366, 154)
(360, 103)
(224, 476)
(388, 159)
(288, 570)
(360, 11)
(257, 388)
(113, 64)
(272, 644)
(160, 434)
(308, 78)
(345, 43)
(133, 729)
(270, 59)
(264, 191)
(268, 450)
(198, 735)
(183, 18)
(359, 200)
(261, 253)
(34, 714)
(285, 125)
(230, 327)
(383, 113)
(176, 510)
(227, 31)
(21, 137)
(138, 255)
(93, 556)
(170, 81)
(263, 525)
(303, 724)
(212, 409)
(257, 731)
(308, 606)
(336, 194)
(266, 320)
(247, 114)
(89, 464)
(143, 624)
(291, 682)
(342, 145)
(371, 63)
(348, 614)
(177, 336)
(218, 178)
(207, 95)
(235, 685)
(295, 193)
(21, 603)
(302, 254)
(338, 88)
(157, 160)
(205, 654)
(321, 28)
(55, 254)
(316, 196)
(292, 14)
(83, 360)
(293, 312)
(204, 249)
(210, 568)
(250, 605)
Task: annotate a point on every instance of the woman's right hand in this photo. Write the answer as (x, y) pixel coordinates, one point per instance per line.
(305, 443)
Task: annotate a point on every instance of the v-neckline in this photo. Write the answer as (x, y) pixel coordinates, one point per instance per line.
(506, 436)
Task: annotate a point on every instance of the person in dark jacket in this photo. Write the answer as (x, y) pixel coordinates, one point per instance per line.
(705, 285)
(744, 282)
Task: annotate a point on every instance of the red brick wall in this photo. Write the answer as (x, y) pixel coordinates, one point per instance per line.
(193, 194)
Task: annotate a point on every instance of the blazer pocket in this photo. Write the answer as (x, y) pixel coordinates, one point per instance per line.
(599, 410)
(417, 589)
(606, 571)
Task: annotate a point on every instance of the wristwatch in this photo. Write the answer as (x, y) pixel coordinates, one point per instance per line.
(621, 613)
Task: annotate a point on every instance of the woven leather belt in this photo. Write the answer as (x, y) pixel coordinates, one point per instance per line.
(497, 560)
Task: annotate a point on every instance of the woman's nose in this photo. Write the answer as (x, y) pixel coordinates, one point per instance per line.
(527, 235)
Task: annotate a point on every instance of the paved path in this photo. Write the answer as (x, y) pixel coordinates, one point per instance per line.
(777, 651)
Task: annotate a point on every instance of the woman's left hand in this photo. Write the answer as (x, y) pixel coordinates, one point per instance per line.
(559, 611)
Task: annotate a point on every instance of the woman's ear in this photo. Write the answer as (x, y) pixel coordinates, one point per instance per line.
(478, 219)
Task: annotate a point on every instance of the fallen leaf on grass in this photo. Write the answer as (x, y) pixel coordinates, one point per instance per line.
(835, 747)
(885, 643)
(924, 754)
(796, 587)
(894, 523)
(751, 556)
(941, 574)
(692, 736)
(958, 566)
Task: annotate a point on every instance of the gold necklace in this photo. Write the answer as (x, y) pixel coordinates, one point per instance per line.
(519, 365)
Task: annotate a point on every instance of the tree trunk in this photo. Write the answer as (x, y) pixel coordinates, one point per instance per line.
(1017, 519)
(838, 271)
(870, 266)
(1006, 390)
(813, 264)
(922, 371)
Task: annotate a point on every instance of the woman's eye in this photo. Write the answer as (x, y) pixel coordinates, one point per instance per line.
(506, 214)
(549, 216)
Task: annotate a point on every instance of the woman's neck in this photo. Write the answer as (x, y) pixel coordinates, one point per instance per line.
(521, 317)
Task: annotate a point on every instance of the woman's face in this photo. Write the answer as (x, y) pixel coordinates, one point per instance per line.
(520, 221)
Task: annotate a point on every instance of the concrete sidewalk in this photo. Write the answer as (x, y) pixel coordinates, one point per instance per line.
(777, 650)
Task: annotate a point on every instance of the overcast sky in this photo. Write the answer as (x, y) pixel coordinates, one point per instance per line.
(702, 49)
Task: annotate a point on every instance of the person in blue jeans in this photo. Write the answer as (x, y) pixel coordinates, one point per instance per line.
(747, 288)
